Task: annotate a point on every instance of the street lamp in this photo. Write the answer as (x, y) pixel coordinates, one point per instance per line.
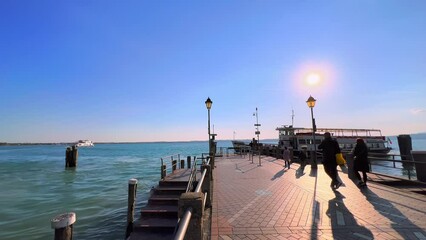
(311, 104)
(208, 106)
(212, 149)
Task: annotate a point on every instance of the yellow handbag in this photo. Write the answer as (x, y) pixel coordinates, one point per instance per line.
(339, 159)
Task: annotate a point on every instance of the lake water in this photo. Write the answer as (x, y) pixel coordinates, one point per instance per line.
(35, 186)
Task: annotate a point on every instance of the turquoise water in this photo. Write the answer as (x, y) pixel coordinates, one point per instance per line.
(35, 187)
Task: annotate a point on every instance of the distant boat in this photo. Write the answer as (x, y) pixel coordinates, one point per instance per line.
(84, 143)
(240, 146)
(298, 138)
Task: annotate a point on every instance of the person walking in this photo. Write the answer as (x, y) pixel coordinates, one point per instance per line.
(329, 148)
(302, 159)
(360, 153)
(286, 157)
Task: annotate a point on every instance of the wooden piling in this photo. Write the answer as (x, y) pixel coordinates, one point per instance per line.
(131, 205)
(174, 163)
(182, 163)
(405, 146)
(188, 161)
(71, 156)
(63, 225)
(163, 171)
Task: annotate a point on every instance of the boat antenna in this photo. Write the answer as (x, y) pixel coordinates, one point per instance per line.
(292, 117)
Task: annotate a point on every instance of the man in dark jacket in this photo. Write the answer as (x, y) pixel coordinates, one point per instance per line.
(329, 148)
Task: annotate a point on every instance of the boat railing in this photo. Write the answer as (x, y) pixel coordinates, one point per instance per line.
(184, 221)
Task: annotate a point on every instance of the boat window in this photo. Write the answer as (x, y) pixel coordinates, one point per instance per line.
(302, 141)
(318, 141)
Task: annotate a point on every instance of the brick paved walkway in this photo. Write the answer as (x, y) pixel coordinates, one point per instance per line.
(270, 202)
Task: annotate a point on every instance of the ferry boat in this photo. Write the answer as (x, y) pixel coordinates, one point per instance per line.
(84, 143)
(240, 146)
(298, 138)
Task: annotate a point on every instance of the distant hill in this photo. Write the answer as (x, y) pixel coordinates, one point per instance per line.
(419, 135)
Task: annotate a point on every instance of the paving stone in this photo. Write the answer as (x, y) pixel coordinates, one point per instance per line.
(268, 202)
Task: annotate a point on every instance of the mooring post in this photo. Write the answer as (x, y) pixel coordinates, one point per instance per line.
(63, 225)
(188, 161)
(405, 146)
(71, 156)
(133, 183)
(182, 163)
(68, 156)
(163, 171)
(174, 163)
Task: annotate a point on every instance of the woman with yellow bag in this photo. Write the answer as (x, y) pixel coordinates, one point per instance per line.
(360, 153)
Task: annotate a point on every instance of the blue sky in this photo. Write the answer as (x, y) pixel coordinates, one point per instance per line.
(141, 70)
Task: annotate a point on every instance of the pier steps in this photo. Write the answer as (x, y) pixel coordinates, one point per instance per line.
(159, 217)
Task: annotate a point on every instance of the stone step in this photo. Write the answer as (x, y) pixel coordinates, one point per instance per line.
(173, 183)
(151, 236)
(159, 211)
(169, 190)
(164, 199)
(154, 224)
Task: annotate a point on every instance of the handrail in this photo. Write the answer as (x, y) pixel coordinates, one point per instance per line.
(200, 183)
(180, 234)
(192, 176)
(183, 224)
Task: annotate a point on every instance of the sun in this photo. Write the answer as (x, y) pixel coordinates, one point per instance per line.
(313, 79)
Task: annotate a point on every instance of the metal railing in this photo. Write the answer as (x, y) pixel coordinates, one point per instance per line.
(184, 222)
(192, 176)
(174, 161)
(376, 159)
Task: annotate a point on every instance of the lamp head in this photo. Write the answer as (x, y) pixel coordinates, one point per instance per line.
(208, 103)
(311, 102)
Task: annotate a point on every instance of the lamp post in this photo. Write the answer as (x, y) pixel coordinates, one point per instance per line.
(311, 104)
(208, 106)
(209, 103)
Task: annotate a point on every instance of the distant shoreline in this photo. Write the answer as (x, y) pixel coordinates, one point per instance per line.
(413, 135)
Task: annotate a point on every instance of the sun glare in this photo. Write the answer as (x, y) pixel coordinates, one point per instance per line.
(313, 79)
(316, 78)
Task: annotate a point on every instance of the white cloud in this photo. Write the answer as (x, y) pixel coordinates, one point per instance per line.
(416, 111)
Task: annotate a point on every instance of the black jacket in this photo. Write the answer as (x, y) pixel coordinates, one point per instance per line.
(329, 148)
(361, 157)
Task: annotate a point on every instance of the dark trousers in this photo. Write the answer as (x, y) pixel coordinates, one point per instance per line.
(364, 176)
(331, 171)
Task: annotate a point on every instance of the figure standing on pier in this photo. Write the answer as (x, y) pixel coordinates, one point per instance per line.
(286, 157)
(360, 153)
(302, 159)
(329, 148)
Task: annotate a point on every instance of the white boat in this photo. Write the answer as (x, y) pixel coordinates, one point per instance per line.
(84, 143)
(298, 138)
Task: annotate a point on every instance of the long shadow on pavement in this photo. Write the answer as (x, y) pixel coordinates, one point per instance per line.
(278, 174)
(399, 222)
(341, 217)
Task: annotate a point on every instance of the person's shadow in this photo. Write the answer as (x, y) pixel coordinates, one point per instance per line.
(399, 222)
(300, 171)
(341, 217)
(278, 174)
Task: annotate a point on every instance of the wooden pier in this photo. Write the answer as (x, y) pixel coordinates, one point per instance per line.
(159, 218)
